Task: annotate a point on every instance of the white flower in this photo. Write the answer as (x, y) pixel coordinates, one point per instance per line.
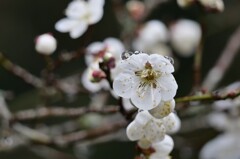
(213, 4)
(146, 127)
(45, 44)
(96, 50)
(224, 146)
(163, 110)
(146, 80)
(185, 36)
(93, 86)
(162, 148)
(80, 14)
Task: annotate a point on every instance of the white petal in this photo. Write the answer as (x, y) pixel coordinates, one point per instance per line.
(142, 118)
(172, 123)
(134, 131)
(123, 85)
(168, 86)
(164, 109)
(165, 146)
(96, 14)
(161, 64)
(76, 9)
(154, 131)
(66, 25)
(115, 47)
(93, 49)
(146, 98)
(78, 30)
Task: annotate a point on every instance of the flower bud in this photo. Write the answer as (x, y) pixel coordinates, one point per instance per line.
(165, 146)
(164, 109)
(97, 76)
(45, 44)
(185, 36)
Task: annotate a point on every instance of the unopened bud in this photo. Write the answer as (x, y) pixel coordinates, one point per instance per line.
(109, 60)
(136, 9)
(45, 44)
(97, 76)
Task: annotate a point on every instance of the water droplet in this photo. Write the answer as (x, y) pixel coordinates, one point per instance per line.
(170, 59)
(126, 54)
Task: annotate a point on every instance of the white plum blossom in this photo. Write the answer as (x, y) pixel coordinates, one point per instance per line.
(95, 53)
(146, 80)
(185, 36)
(150, 130)
(45, 44)
(87, 80)
(80, 14)
(162, 148)
(96, 50)
(146, 127)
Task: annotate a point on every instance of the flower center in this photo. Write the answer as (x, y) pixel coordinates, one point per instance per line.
(148, 76)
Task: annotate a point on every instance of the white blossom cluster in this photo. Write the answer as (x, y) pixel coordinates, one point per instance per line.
(79, 15)
(184, 36)
(227, 144)
(97, 52)
(147, 81)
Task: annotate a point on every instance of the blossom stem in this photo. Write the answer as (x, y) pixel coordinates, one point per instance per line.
(208, 97)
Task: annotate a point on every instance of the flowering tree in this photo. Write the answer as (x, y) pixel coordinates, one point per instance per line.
(128, 88)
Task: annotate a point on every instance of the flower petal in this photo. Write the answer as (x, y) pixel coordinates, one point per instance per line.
(161, 64)
(78, 30)
(146, 97)
(65, 25)
(165, 146)
(154, 131)
(168, 86)
(172, 123)
(76, 9)
(123, 85)
(134, 131)
(96, 14)
(164, 109)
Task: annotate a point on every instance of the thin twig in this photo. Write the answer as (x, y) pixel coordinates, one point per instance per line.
(215, 75)
(208, 97)
(45, 112)
(20, 72)
(88, 134)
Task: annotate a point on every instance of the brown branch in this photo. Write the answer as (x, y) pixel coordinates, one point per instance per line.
(209, 97)
(20, 72)
(89, 134)
(45, 112)
(217, 72)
